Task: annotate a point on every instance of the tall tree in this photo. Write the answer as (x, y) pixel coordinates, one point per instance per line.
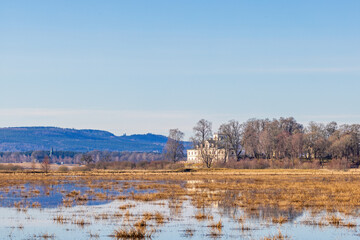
(174, 148)
(297, 145)
(316, 141)
(232, 136)
(202, 132)
(86, 159)
(250, 137)
(45, 165)
(290, 125)
(208, 155)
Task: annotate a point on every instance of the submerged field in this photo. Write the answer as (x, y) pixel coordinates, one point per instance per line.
(238, 204)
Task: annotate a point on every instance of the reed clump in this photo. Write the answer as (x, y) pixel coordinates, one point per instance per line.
(80, 222)
(189, 232)
(159, 218)
(60, 219)
(278, 236)
(132, 233)
(218, 226)
(280, 220)
(202, 216)
(335, 221)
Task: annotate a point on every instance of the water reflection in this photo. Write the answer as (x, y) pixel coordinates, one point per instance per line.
(54, 195)
(191, 215)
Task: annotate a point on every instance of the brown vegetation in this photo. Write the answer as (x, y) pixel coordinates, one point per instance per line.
(334, 192)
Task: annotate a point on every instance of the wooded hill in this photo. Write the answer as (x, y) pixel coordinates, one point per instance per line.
(22, 139)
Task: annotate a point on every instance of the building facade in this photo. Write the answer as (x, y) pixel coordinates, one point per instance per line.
(212, 148)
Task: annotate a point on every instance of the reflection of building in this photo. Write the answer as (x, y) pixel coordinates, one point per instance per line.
(213, 148)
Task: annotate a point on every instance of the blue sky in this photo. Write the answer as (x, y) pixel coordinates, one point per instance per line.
(147, 66)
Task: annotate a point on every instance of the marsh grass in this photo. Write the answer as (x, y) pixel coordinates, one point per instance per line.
(280, 220)
(44, 236)
(117, 215)
(278, 236)
(317, 192)
(94, 235)
(202, 216)
(141, 223)
(218, 226)
(126, 206)
(189, 232)
(102, 216)
(335, 221)
(68, 202)
(132, 233)
(159, 218)
(80, 222)
(60, 219)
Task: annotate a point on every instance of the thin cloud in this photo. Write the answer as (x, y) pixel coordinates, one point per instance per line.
(292, 70)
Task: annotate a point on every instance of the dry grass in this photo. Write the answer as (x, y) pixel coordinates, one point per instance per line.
(202, 216)
(126, 206)
(278, 236)
(159, 218)
(132, 233)
(68, 202)
(189, 232)
(280, 220)
(60, 219)
(80, 222)
(45, 236)
(94, 235)
(218, 226)
(141, 223)
(335, 221)
(316, 191)
(36, 205)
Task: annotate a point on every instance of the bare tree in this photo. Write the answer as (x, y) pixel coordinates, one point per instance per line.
(106, 157)
(202, 132)
(290, 125)
(207, 156)
(33, 161)
(232, 134)
(45, 165)
(297, 145)
(316, 141)
(86, 159)
(250, 138)
(174, 148)
(33, 165)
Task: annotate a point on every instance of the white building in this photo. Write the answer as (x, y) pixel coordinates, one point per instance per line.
(213, 148)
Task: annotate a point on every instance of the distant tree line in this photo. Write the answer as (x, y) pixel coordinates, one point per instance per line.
(282, 139)
(76, 157)
(286, 138)
(38, 156)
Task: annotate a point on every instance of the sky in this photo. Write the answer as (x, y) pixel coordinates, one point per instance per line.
(148, 66)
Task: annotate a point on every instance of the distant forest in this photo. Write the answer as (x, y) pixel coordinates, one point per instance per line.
(286, 138)
(290, 143)
(67, 157)
(281, 143)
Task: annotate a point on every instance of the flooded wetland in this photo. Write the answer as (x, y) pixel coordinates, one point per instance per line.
(221, 204)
